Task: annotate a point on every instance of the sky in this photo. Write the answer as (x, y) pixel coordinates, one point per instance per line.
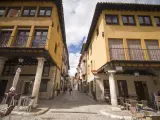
(78, 15)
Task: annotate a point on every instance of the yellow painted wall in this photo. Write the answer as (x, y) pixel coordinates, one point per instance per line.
(98, 55)
(46, 22)
(131, 32)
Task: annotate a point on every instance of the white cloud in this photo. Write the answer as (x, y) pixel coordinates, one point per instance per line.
(74, 59)
(78, 15)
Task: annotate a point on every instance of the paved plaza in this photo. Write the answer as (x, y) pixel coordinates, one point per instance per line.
(77, 106)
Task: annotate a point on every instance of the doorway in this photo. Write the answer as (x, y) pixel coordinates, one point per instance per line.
(141, 90)
(3, 85)
(26, 88)
(122, 88)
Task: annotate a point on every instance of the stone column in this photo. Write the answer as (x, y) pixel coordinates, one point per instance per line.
(37, 80)
(2, 61)
(113, 92)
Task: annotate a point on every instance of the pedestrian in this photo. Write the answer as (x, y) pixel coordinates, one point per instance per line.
(70, 90)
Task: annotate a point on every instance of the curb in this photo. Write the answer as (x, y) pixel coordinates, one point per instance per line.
(115, 116)
(29, 113)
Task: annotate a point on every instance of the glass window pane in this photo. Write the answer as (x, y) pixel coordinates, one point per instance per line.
(147, 20)
(48, 12)
(38, 33)
(26, 12)
(114, 19)
(42, 12)
(141, 20)
(1, 12)
(33, 12)
(13, 12)
(108, 18)
(157, 20)
(131, 20)
(44, 33)
(124, 19)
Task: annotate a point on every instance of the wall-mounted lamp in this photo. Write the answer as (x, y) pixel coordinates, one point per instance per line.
(20, 60)
(136, 74)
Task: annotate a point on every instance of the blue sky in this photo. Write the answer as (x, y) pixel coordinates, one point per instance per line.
(78, 15)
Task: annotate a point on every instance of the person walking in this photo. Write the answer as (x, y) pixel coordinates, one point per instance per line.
(70, 90)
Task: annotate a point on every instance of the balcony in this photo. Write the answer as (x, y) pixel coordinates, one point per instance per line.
(39, 42)
(4, 39)
(134, 54)
(21, 41)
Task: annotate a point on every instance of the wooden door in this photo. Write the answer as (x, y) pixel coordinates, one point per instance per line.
(139, 90)
(123, 88)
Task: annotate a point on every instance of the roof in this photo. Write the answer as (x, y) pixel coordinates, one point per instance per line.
(82, 49)
(117, 6)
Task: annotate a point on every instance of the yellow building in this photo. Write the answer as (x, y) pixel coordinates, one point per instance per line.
(123, 47)
(32, 37)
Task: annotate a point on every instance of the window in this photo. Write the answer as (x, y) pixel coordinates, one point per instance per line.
(21, 39)
(58, 28)
(40, 38)
(128, 20)
(112, 19)
(157, 20)
(88, 69)
(55, 49)
(88, 54)
(4, 38)
(46, 71)
(91, 48)
(135, 49)
(45, 11)
(91, 66)
(2, 11)
(145, 20)
(14, 12)
(43, 86)
(116, 49)
(29, 12)
(8, 70)
(97, 30)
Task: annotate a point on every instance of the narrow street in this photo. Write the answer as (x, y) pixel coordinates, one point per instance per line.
(77, 106)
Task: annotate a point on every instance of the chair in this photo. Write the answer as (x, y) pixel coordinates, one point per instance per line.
(31, 103)
(157, 102)
(15, 99)
(4, 101)
(6, 112)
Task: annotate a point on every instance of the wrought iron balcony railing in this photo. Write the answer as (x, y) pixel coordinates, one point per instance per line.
(21, 41)
(4, 39)
(134, 54)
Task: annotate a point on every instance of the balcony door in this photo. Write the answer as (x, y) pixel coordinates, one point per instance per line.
(21, 39)
(116, 49)
(135, 50)
(40, 38)
(153, 49)
(4, 38)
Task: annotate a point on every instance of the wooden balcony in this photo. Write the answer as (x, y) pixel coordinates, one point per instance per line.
(134, 54)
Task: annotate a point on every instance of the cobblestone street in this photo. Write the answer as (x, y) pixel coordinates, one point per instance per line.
(77, 106)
